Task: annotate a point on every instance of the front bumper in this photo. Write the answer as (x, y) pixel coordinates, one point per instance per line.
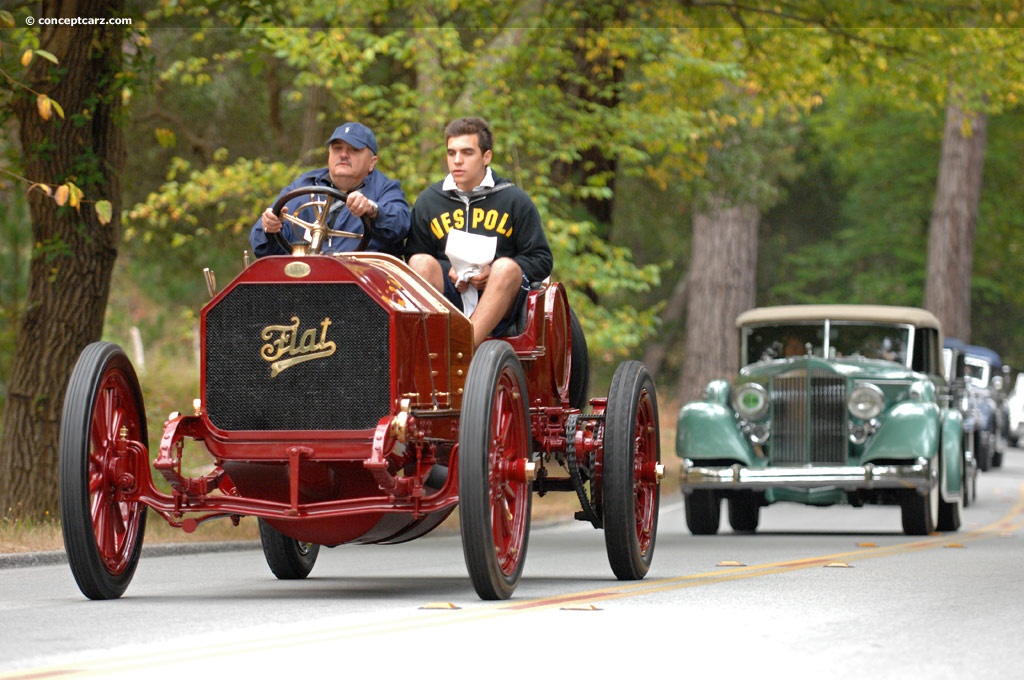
(920, 475)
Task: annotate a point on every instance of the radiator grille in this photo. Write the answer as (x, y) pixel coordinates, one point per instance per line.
(809, 425)
(347, 390)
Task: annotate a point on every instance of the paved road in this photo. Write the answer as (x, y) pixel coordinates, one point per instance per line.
(828, 592)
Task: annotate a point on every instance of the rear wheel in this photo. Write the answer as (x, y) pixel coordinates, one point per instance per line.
(288, 558)
(495, 483)
(103, 525)
(579, 367)
(631, 471)
(703, 512)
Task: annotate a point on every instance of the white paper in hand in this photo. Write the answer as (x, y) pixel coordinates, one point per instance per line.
(468, 254)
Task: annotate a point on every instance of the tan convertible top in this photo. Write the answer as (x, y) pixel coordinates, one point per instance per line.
(919, 318)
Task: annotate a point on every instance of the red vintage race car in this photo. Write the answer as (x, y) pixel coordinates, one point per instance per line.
(342, 401)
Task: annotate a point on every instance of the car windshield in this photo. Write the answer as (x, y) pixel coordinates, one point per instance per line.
(832, 339)
(977, 371)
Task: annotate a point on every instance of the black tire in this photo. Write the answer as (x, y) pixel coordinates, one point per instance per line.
(287, 558)
(744, 512)
(703, 512)
(920, 511)
(579, 369)
(495, 492)
(983, 450)
(917, 513)
(631, 471)
(949, 515)
(967, 473)
(950, 512)
(103, 525)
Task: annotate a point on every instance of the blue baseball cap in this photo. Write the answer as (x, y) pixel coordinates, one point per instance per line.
(356, 134)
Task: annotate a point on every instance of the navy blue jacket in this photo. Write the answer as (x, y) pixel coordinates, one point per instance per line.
(390, 228)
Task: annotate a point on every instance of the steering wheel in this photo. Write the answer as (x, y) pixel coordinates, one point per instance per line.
(320, 200)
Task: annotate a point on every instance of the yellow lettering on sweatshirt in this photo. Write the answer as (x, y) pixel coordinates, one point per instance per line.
(436, 228)
(501, 226)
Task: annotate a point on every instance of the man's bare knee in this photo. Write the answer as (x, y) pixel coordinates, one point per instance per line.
(503, 285)
(429, 268)
(506, 271)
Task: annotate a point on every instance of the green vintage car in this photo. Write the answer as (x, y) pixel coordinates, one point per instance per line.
(834, 404)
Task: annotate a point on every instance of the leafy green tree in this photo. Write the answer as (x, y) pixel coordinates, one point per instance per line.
(858, 41)
(549, 76)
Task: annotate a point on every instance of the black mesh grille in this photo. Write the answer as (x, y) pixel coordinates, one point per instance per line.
(809, 423)
(347, 390)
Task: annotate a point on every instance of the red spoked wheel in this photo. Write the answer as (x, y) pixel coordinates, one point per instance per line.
(495, 471)
(103, 526)
(631, 471)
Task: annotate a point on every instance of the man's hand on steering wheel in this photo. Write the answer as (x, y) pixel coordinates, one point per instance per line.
(361, 206)
(320, 200)
(272, 224)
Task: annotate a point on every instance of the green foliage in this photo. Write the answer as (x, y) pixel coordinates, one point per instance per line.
(196, 202)
(556, 97)
(880, 166)
(594, 270)
(885, 160)
(680, 99)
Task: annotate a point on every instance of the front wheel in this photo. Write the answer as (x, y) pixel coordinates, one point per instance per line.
(744, 512)
(920, 511)
(631, 471)
(950, 512)
(287, 558)
(102, 426)
(703, 512)
(968, 471)
(495, 480)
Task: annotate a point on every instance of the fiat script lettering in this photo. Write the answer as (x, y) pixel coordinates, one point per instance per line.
(286, 346)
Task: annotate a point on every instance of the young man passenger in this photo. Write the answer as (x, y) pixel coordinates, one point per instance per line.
(475, 200)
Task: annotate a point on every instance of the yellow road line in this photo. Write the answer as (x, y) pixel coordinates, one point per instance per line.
(154, 658)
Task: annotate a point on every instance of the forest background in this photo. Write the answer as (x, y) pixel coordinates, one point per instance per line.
(690, 160)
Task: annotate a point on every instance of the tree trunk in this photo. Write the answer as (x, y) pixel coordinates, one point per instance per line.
(722, 284)
(671, 318)
(315, 128)
(953, 222)
(71, 267)
(429, 72)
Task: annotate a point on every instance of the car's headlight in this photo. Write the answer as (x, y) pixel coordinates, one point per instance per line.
(750, 400)
(866, 401)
